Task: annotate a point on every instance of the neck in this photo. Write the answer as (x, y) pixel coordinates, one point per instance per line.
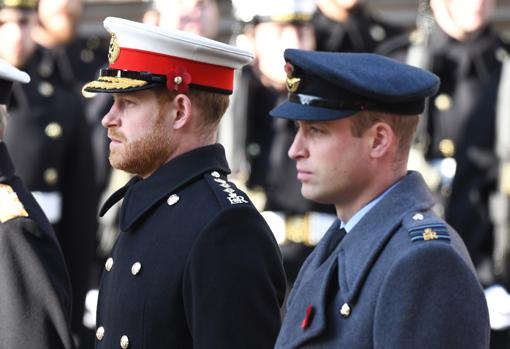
(45, 38)
(334, 11)
(183, 146)
(346, 210)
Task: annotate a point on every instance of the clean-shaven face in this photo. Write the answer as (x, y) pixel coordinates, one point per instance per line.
(331, 163)
(16, 40)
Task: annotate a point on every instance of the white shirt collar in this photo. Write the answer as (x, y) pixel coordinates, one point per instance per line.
(349, 225)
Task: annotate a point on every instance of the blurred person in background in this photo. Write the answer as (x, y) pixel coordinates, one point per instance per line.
(35, 292)
(71, 58)
(454, 144)
(200, 17)
(270, 28)
(349, 26)
(50, 145)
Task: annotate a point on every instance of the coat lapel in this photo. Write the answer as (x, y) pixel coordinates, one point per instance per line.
(141, 195)
(362, 246)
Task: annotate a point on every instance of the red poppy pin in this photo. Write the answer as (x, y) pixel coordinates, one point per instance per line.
(178, 80)
(289, 69)
(308, 317)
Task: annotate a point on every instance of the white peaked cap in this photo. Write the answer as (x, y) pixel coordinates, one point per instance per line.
(8, 75)
(150, 56)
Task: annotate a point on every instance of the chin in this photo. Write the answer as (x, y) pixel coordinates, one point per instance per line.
(315, 197)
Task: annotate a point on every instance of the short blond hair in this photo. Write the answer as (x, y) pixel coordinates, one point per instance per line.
(212, 105)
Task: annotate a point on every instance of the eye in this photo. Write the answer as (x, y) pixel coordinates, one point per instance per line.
(128, 102)
(315, 130)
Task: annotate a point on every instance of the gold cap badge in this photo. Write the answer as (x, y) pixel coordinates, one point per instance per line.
(114, 49)
(292, 81)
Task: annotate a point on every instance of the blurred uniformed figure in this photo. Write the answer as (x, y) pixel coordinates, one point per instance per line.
(349, 26)
(50, 145)
(35, 293)
(271, 28)
(200, 17)
(195, 265)
(490, 177)
(457, 42)
(388, 273)
(461, 47)
(71, 58)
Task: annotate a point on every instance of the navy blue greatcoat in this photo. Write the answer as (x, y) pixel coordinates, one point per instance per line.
(35, 291)
(195, 265)
(401, 278)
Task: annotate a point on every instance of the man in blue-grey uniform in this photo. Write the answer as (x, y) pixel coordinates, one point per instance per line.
(195, 265)
(35, 291)
(389, 273)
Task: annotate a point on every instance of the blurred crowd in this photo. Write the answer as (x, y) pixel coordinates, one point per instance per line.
(59, 147)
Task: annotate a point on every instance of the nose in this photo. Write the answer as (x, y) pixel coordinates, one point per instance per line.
(297, 150)
(111, 118)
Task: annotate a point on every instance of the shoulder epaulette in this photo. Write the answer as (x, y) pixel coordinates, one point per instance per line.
(426, 226)
(225, 191)
(10, 205)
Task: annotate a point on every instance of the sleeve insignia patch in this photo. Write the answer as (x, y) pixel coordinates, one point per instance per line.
(232, 196)
(226, 190)
(429, 232)
(10, 205)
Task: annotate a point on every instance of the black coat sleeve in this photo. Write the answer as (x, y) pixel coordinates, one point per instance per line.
(234, 283)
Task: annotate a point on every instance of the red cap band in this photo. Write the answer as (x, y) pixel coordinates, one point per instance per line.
(203, 74)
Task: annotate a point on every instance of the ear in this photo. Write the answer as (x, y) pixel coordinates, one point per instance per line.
(382, 138)
(181, 111)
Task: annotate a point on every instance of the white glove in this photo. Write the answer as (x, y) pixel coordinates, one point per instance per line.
(498, 302)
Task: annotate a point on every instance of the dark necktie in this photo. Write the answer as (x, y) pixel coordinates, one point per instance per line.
(334, 239)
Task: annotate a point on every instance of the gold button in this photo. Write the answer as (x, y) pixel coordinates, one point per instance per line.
(447, 148)
(173, 199)
(53, 130)
(100, 333)
(51, 176)
(87, 56)
(135, 268)
(124, 342)
(215, 174)
(377, 33)
(417, 37)
(501, 54)
(345, 311)
(46, 89)
(109, 264)
(443, 102)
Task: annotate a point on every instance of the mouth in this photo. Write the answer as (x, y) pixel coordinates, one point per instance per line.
(303, 175)
(115, 140)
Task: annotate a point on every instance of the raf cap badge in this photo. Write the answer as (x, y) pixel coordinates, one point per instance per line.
(292, 81)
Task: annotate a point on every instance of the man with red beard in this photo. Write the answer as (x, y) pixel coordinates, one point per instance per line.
(195, 265)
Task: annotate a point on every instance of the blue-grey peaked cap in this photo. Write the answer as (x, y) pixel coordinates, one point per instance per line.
(331, 85)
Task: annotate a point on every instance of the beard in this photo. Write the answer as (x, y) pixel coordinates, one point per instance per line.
(145, 155)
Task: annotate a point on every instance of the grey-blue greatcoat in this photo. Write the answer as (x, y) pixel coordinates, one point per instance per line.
(195, 265)
(401, 290)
